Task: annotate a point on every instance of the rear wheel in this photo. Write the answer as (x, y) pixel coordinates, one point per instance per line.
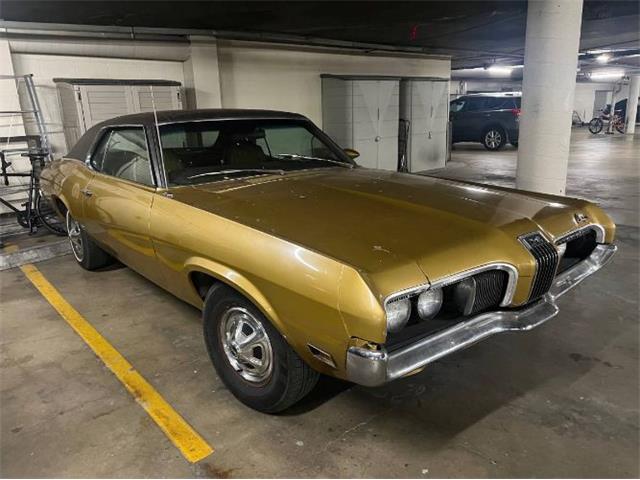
(494, 138)
(251, 357)
(595, 125)
(620, 127)
(49, 217)
(86, 252)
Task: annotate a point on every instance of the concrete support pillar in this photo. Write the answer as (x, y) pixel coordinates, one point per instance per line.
(548, 87)
(632, 104)
(201, 74)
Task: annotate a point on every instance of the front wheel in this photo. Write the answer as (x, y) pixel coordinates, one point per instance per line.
(595, 125)
(494, 138)
(620, 127)
(251, 357)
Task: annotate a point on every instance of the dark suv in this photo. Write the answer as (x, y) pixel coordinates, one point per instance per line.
(489, 118)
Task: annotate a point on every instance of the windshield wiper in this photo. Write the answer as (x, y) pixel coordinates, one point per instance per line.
(295, 156)
(249, 170)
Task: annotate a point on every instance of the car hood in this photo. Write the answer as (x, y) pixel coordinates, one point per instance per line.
(378, 221)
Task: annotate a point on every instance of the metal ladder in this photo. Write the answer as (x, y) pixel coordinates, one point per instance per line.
(15, 195)
(35, 110)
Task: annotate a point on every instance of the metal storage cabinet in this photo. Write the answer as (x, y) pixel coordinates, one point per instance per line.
(85, 102)
(424, 102)
(362, 113)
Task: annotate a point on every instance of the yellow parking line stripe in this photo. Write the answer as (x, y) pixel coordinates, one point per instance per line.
(192, 446)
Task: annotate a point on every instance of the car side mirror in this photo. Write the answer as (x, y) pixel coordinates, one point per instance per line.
(351, 153)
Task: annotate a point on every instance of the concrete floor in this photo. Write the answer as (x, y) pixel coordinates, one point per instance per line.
(560, 401)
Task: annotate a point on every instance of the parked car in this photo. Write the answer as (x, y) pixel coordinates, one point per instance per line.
(489, 118)
(304, 263)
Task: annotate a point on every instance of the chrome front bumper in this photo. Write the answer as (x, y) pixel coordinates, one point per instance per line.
(376, 367)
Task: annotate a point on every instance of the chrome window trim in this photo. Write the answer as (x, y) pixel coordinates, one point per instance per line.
(599, 229)
(227, 119)
(510, 291)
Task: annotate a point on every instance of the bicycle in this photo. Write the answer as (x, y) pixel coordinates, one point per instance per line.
(37, 210)
(597, 123)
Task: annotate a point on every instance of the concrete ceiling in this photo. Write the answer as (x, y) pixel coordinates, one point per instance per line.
(474, 33)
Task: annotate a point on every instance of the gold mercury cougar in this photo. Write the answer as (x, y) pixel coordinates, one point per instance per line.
(305, 263)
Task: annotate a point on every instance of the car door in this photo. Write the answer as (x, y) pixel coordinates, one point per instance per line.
(118, 199)
(472, 118)
(456, 117)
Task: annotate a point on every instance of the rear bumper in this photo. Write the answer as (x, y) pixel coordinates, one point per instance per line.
(376, 367)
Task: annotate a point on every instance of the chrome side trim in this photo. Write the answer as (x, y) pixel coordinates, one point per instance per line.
(600, 233)
(376, 367)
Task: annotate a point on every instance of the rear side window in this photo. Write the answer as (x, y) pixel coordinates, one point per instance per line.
(475, 103)
(123, 153)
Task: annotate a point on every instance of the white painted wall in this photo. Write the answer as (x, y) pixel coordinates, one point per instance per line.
(249, 75)
(585, 94)
(255, 75)
(47, 67)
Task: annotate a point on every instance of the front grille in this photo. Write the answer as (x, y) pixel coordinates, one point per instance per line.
(490, 288)
(546, 257)
(579, 245)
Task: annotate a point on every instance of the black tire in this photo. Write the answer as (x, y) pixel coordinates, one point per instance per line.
(49, 217)
(86, 252)
(595, 125)
(620, 127)
(494, 138)
(514, 144)
(289, 378)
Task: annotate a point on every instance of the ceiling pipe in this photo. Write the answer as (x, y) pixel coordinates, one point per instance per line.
(95, 33)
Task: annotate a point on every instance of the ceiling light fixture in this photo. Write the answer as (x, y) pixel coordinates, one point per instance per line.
(500, 69)
(606, 74)
(603, 58)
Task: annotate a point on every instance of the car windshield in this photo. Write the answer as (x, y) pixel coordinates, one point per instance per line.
(206, 151)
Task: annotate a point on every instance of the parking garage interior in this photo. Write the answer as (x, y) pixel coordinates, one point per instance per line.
(559, 401)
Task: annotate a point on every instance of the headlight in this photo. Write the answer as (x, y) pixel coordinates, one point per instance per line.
(561, 249)
(398, 313)
(429, 303)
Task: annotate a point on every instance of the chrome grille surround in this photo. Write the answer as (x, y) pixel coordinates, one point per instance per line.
(546, 256)
(510, 289)
(576, 232)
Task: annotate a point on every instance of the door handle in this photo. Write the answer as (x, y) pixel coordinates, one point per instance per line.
(86, 193)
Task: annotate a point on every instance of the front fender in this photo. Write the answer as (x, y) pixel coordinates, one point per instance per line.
(237, 281)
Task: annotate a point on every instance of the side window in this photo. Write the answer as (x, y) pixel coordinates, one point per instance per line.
(126, 156)
(475, 104)
(495, 103)
(98, 154)
(457, 105)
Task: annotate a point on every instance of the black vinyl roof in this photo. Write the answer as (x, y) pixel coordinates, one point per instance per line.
(168, 116)
(84, 144)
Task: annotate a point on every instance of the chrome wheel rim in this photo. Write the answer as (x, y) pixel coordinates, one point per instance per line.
(493, 138)
(246, 345)
(75, 237)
